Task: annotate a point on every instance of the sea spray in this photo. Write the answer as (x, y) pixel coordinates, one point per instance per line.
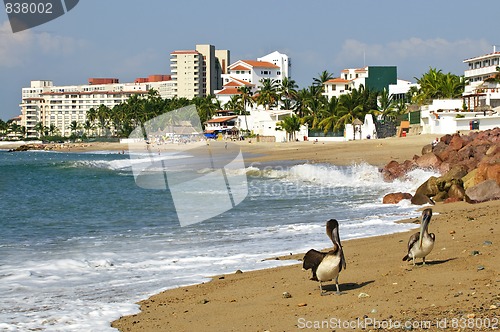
(82, 243)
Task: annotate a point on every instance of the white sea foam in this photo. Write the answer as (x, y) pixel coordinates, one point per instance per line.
(86, 281)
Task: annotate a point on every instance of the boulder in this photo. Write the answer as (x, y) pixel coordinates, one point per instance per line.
(394, 170)
(429, 160)
(488, 171)
(439, 148)
(426, 149)
(395, 198)
(456, 172)
(440, 196)
(456, 191)
(485, 191)
(492, 150)
(444, 167)
(429, 188)
(420, 199)
(456, 142)
(470, 179)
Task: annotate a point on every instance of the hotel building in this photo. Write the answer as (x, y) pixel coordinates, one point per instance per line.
(478, 92)
(275, 66)
(60, 105)
(197, 73)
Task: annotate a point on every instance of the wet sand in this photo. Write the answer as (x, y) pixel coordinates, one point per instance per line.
(459, 288)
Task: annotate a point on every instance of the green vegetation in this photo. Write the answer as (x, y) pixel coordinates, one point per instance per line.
(309, 106)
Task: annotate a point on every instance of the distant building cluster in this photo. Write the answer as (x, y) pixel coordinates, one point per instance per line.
(207, 71)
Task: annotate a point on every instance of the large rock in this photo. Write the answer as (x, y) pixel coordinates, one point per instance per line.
(470, 179)
(394, 170)
(456, 172)
(485, 191)
(456, 142)
(427, 149)
(429, 160)
(395, 198)
(419, 199)
(489, 170)
(456, 191)
(429, 188)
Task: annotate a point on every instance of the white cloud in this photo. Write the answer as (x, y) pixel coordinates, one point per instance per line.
(17, 48)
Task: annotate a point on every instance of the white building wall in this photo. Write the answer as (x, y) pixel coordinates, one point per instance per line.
(61, 105)
(280, 60)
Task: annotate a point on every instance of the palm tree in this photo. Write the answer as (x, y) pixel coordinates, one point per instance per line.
(322, 78)
(386, 104)
(52, 129)
(246, 97)
(287, 92)
(234, 104)
(14, 128)
(74, 126)
(348, 110)
(88, 126)
(290, 124)
(3, 127)
(40, 129)
(267, 93)
(435, 85)
(330, 116)
(103, 116)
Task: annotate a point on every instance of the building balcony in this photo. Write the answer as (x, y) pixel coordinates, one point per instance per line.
(484, 71)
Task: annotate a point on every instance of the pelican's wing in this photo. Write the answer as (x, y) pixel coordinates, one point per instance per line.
(312, 259)
(343, 264)
(413, 239)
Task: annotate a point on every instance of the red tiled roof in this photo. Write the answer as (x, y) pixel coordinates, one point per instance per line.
(222, 119)
(253, 63)
(260, 64)
(239, 67)
(229, 91)
(337, 80)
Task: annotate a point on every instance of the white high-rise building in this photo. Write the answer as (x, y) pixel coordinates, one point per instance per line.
(45, 103)
(197, 73)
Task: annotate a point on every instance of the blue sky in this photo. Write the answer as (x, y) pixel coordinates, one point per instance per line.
(128, 39)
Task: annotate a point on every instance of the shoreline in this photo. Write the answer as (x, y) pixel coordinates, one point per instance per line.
(377, 152)
(456, 284)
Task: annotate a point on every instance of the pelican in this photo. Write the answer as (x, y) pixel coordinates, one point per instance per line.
(326, 266)
(421, 243)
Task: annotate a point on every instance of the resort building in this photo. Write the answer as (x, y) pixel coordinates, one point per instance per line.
(375, 78)
(59, 106)
(275, 66)
(198, 73)
(479, 108)
(479, 92)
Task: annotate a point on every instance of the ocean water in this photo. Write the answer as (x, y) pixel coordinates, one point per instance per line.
(81, 243)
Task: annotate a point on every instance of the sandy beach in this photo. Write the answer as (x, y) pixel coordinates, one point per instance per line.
(459, 288)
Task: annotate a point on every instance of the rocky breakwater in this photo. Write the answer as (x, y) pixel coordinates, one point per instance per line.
(469, 166)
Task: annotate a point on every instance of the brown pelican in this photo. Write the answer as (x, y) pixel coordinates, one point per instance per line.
(421, 243)
(326, 266)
